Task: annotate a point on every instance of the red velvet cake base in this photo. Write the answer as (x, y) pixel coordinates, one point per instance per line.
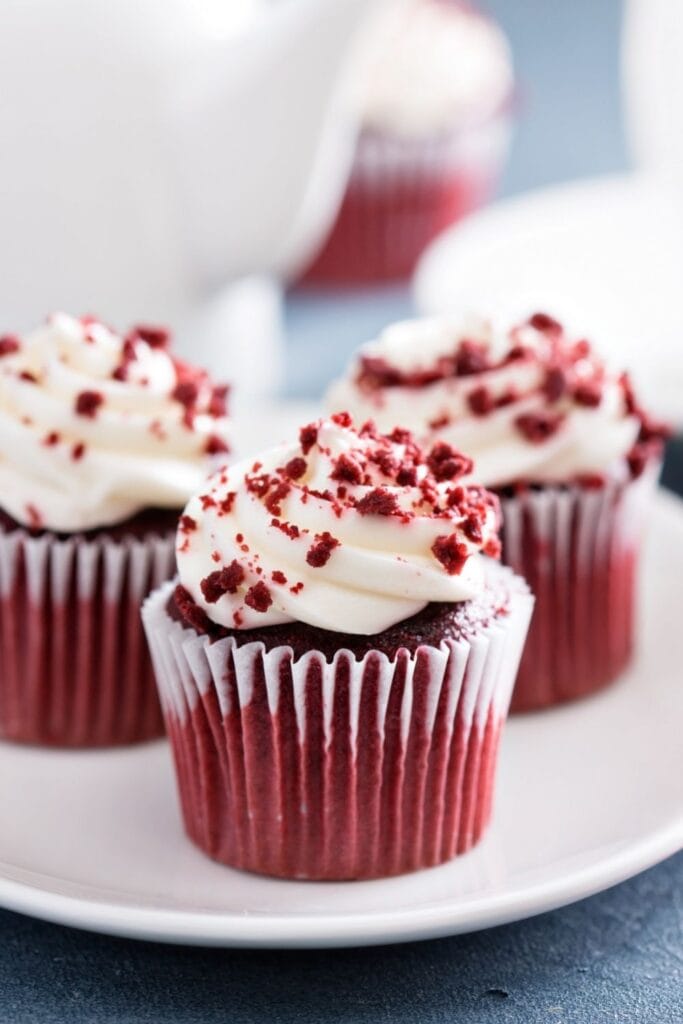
(400, 197)
(74, 667)
(343, 769)
(578, 551)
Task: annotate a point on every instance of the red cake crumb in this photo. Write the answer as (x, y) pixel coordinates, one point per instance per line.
(555, 384)
(588, 393)
(87, 403)
(278, 577)
(538, 426)
(296, 468)
(439, 422)
(9, 344)
(480, 401)
(187, 524)
(208, 501)
(218, 403)
(29, 377)
(51, 439)
(471, 358)
(289, 529)
(406, 475)
(258, 597)
(186, 392)
(319, 553)
(347, 468)
(225, 506)
(451, 553)
(446, 463)
(544, 322)
(153, 335)
(278, 494)
(493, 547)
(222, 581)
(297, 588)
(342, 419)
(308, 436)
(215, 445)
(471, 527)
(78, 451)
(378, 502)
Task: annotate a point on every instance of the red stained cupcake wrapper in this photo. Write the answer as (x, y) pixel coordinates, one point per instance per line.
(401, 194)
(75, 667)
(578, 549)
(349, 769)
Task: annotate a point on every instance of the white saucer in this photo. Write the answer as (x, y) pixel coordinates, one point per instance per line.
(588, 795)
(604, 255)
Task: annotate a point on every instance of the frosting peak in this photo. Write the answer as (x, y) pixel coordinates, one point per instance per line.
(95, 426)
(533, 404)
(349, 530)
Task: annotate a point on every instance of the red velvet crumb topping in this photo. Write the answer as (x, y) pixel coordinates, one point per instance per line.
(308, 436)
(9, 344)
(538, 426)
(215, 445)
(451, 553)
(319, 553)
(295, 468)
(222, 581)
(87, 403)
(258, 597)
(446, 463)
(378, 502)
(153, 335)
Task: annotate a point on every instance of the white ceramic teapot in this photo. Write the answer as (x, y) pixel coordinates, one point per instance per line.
(150, 150)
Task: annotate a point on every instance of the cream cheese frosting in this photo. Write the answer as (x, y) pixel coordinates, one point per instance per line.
(438, 65)
(95, 426)
(532, 404)
(346, 529)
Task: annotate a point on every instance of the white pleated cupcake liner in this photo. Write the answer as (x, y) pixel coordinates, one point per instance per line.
(577, 548)
(344, 769)
(75, 670)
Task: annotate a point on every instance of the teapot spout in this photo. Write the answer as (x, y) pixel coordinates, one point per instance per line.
(263, 140)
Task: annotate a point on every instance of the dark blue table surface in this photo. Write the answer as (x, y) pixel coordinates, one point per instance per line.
(617, 957)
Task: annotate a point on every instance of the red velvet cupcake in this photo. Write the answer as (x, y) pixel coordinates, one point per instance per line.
(336, 662)
(569, 451)
(102, 440)
(435, 129)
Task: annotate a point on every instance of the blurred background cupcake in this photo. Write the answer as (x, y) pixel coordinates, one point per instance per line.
(567, 447)
(102, 440)
(435, 129)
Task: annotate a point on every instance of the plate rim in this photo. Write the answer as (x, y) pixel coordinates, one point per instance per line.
(335, 930)
(340, 931)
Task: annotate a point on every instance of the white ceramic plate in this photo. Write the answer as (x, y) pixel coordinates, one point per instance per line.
(603, 255)
(587, 796)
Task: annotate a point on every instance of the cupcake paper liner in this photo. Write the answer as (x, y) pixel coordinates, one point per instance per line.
(401, 194)
(335, 770)
(74, 667)
(577, 548)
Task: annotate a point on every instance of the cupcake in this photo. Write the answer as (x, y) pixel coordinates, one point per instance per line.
(336, 660)
(102, 441)
(435, 127)
(569, 451)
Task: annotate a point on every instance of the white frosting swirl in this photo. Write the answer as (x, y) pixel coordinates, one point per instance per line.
(91, 430)
(433, 399)
(438, 66)
(280, 540)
